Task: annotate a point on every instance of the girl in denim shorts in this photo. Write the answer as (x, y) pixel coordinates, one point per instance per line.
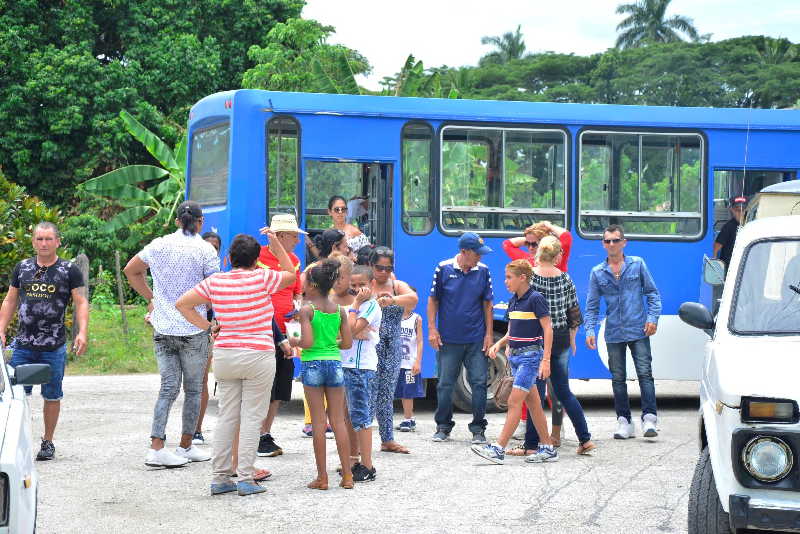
(323, 332)
(529, 340)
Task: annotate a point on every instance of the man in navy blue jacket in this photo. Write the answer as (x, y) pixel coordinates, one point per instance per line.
(633, 305)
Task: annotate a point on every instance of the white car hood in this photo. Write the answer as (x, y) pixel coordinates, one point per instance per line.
(757, 367)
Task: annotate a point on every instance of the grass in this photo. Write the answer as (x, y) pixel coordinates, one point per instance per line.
(109, 351)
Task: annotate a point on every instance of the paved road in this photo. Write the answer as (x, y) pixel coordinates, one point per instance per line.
(99, 482)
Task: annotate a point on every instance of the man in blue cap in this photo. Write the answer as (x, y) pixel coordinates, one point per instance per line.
(461, 296)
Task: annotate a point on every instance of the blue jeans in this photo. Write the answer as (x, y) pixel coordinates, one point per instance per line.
(642, 361)
(450, 359)
(525, 368)
(56, 359)
(322, 373)
(559, 378)
(359, 385)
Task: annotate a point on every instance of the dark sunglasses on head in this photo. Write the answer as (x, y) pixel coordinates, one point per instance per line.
(384, 268)
(39, 273)
(609, 241)
(532, 244)
(339, 210)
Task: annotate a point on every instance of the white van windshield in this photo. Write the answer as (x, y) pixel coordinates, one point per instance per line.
(767, 299)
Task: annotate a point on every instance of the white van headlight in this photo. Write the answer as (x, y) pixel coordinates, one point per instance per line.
(767, 458)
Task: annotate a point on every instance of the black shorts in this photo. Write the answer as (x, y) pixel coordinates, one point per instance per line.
(284, 376)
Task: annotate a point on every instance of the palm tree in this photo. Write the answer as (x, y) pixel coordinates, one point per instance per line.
(776, 51)
(646, 24)
(509, 46)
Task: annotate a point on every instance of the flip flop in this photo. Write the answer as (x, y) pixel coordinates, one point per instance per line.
(586, 448)
(519, 451)
(261, 475)
(394, 447)
(318, 484)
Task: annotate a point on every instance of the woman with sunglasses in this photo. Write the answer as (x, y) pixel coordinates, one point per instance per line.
(337, 209)
(524, 248)
(392, 295)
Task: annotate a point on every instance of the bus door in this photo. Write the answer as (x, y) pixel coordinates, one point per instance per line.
(366, 187)
(732, 182)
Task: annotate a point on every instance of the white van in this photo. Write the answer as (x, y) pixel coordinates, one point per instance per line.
(748, 473)
(774, 201)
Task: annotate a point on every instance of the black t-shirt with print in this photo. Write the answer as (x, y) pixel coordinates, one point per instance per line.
(44, 294)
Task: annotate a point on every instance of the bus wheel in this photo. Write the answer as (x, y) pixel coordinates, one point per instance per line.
(462, 393)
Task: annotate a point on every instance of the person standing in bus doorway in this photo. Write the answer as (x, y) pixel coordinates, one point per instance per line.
(723, 244)
(177, 262)
(41, 287)
(461, 295)
(625, 283)
(284, 301)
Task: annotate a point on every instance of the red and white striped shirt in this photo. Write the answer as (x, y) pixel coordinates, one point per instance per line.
(243, 306)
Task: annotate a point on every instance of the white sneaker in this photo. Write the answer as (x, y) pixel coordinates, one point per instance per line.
(164, 458)
(192, 454)
(649, 422)
(624, 430)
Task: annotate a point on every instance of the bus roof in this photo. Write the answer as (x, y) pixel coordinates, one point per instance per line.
(505, 111)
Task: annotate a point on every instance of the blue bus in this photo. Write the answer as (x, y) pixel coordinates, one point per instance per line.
(431, 169)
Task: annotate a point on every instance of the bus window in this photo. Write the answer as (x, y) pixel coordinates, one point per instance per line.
(325, 179)
(208, 169)
(282, 165)
(500, 180)
(649, 183)
(417, 140)
(731, 183)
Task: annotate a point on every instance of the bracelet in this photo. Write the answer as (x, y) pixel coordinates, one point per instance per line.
(351, 310)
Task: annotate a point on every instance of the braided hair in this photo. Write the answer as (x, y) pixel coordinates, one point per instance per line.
(323, 275)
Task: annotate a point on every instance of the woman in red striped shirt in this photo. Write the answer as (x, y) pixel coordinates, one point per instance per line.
(244, 352)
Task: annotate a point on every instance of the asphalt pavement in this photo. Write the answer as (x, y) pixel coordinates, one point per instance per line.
(99, 483)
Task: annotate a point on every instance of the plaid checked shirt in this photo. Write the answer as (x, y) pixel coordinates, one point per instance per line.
(560, 294)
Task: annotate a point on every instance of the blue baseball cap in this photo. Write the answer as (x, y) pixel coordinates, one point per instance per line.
(472, 241)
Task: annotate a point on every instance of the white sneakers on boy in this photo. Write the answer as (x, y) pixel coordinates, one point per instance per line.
(164, 458)
(624, 430)
(193, 454)
(649, 422)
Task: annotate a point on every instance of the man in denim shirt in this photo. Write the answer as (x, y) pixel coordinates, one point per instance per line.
(625, 283)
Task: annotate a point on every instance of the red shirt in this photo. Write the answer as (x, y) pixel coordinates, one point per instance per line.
(283, 300)
(516, 253)
(242, 305)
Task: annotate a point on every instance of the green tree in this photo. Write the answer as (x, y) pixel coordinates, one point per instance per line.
(510, 45)
(646, 23)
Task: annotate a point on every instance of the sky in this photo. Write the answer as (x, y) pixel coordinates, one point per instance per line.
(448, 32)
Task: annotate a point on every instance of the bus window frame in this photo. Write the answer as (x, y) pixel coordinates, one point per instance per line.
(209, 123)
(300, 174)
(645, 130)
(432, 196)
(527, 127)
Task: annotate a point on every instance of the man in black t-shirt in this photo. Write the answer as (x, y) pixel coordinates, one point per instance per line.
(723, 245)
(41, 288)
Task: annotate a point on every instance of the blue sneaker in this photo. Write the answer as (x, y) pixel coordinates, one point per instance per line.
(440, 436)
(249, 488)
(408, 425)
(224, 487)
(545, 453)
(494, 452)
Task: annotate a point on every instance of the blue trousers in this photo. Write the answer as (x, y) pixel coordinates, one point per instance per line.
(450, 359)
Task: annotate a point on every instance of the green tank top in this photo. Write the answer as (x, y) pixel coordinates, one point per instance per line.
(326, 329)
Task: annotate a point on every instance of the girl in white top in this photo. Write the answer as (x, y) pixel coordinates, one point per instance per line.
(410, 384)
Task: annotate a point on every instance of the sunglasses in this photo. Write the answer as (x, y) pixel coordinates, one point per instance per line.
(339, 210)
(609, 241)
(39, 273)
(383, 268)
(532, 244)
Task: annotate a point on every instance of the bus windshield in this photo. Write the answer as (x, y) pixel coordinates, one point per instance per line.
(767, 299)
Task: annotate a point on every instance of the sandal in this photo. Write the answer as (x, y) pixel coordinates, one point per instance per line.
(318, 483)
(261, 475)
(519, 450)
(392, 446)
(347, 482)
(586, 447)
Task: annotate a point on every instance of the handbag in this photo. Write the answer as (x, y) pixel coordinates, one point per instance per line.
(574, 317)
(502, 388)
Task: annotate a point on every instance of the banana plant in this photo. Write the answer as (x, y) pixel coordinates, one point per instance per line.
(144, 191)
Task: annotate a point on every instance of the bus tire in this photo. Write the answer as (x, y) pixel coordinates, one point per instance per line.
(706, 515)
(462, 392)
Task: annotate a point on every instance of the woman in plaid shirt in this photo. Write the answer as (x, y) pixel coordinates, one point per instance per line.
(559, 292)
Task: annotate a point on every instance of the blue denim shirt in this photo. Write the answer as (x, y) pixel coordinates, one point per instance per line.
(625, 300)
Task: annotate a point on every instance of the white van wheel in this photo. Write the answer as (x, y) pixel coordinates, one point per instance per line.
(706, 515)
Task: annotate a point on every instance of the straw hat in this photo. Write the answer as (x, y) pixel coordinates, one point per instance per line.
(285, 222)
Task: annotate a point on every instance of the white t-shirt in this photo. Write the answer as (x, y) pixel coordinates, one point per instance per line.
(362, 355)
(177, 263)
(408, 341)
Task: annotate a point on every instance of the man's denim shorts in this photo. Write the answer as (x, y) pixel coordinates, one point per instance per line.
(57, 360)
(322, 373)
(360, 387)
(525, 368)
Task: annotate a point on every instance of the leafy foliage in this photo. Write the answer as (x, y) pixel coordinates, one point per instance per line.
(646, 24)
(509, 46)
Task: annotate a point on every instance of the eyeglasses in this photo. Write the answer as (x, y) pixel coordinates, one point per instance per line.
(383, 268)
(39, 273)
(340, 209)
(532, 244)
(609, 241)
